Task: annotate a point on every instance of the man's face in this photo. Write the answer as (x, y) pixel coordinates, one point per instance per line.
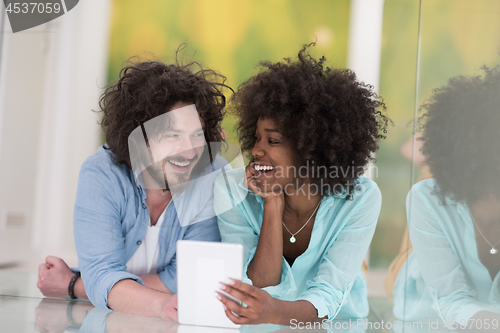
(175, 143)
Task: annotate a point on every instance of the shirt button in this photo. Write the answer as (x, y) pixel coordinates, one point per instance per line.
(139, 242)
(144, 206)
(291, 292)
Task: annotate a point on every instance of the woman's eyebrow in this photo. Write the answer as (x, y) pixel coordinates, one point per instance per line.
(271, 130)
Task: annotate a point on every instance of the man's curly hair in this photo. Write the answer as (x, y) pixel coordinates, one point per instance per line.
(460, 136)
(147, 89)
(329, 118)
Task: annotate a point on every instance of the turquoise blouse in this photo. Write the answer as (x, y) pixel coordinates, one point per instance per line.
(329, 273)
(443, 276)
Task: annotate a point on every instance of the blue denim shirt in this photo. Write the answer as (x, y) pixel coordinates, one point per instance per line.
(111, 218)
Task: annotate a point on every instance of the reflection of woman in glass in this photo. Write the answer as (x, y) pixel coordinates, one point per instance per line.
(304, 215)
(454, 218)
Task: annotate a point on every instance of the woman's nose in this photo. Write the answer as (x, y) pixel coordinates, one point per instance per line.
(257, 150)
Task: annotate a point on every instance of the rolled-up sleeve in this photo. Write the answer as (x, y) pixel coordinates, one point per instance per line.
(99, 239)
(338, 269)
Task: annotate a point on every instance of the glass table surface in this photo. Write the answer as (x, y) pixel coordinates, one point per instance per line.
(24, 309)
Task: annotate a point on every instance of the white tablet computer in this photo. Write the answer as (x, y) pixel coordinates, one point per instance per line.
(201, 266)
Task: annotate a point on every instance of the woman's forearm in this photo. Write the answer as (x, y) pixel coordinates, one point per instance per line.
(300, 311)
(265, 268)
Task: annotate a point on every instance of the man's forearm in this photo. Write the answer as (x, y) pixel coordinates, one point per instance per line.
(153, 281)
(131, 297)
(79, 289)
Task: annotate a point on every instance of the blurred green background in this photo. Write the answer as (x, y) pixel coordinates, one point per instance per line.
(232, 36)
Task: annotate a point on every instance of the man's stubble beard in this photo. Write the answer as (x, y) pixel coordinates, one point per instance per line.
(179, 182)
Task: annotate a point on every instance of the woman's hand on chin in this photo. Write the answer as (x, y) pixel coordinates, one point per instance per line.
(261, 307)
(250, 181)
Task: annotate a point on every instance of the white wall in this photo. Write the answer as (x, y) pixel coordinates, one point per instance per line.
(364, 52)
(365, 44)
(365, 40)
(51, 78)
(22, 69)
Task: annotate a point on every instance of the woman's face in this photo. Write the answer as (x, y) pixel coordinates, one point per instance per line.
(273, 162)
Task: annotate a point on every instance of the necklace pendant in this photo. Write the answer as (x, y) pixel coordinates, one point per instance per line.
(493, 251)
(292, 240)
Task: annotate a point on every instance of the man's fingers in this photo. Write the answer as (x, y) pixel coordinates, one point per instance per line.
(172, 314)
(53, 261)
(42, 268)
(174, 301)
(42, 271)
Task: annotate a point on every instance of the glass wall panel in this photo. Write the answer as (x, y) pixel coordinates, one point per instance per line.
(450, 276)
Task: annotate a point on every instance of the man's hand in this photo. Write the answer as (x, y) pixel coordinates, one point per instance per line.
(53, 277)
(261, 307)
(169, 308)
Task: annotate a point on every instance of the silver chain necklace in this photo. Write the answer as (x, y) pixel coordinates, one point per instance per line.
(292, 239)
(493, 250)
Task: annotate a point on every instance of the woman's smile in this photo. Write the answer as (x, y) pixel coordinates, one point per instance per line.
(272, 155)
(263, 170)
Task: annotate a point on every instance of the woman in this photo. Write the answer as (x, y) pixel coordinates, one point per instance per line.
(453, 219)
(301, 208)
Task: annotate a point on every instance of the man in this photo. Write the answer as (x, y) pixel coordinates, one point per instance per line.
(135, 196)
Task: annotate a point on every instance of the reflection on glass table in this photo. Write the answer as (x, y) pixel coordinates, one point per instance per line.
(22, 314)
(23, 310)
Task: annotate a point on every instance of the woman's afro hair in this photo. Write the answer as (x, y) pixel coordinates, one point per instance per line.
(460, 136)
(330, 119)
